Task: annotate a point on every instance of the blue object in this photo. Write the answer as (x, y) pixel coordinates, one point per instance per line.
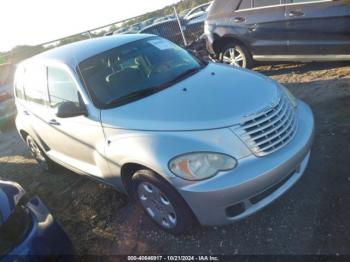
(27, 229)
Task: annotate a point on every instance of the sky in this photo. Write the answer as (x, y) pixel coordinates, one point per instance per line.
(32, 22)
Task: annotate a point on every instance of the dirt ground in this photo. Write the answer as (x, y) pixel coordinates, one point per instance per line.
(312, 218)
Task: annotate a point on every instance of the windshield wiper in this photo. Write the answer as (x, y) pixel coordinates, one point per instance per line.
(184, 75)
(151, 90)
(134, 96)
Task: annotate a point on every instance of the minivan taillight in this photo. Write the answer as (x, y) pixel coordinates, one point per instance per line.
(4, 96)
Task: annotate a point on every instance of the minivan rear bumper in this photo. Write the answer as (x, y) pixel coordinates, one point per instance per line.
(255, 182)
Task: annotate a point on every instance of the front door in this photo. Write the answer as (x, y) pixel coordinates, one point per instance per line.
(76, 141)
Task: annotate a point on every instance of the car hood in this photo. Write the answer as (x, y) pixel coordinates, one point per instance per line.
(217, 96)
(10, 194)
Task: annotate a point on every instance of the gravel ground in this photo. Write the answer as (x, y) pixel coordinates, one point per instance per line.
(312, 218)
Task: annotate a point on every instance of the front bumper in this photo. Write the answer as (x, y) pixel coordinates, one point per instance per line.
(255, 182)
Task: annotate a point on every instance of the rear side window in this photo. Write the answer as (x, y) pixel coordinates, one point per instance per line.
(262, 3)
(246, 4)
(302, 1)
(61, 87)
(19, 82)
(35, 84)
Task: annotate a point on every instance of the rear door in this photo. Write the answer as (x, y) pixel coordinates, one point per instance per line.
(261, 24)
(318, 28)
(33, 109)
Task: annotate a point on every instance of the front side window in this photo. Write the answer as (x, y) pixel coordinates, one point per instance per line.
(35, 84)
(61, 87)
(132, 71)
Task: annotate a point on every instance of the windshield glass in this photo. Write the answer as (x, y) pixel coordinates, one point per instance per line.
(125, 71)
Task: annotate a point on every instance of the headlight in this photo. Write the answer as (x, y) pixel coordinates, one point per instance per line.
(290, 96)
(199, 166)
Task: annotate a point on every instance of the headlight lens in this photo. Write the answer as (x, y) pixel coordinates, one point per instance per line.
(200, 166)
(290, 96)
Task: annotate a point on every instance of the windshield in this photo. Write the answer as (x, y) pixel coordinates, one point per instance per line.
(135, 70)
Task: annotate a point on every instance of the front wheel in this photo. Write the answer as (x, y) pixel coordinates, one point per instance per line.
(161, 202)
(235, 54)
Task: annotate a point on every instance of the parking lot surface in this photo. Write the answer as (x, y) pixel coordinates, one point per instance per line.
(312, 218)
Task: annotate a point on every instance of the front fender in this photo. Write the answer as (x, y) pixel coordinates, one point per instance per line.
(154, 149)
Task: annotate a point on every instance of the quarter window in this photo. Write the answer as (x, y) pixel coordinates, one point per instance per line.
(35, 84)
(61, 87)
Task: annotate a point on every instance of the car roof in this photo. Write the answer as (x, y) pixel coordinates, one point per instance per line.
(74, 53)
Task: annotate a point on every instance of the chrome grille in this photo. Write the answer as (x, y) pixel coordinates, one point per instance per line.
(269, 130)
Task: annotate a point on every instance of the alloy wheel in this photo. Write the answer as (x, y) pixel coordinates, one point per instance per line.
(234, 56)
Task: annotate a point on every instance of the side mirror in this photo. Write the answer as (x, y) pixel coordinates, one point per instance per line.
(70, 109)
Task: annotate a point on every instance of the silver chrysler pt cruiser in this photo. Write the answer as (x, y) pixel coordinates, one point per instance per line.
(190, 141)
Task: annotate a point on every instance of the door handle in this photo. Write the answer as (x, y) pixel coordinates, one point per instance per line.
(295, 13)
(252, 28)
(239, 19)
(54, 122)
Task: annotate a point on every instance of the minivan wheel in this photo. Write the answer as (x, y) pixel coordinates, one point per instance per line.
(235, 54)
(45, 163)
(161, 202)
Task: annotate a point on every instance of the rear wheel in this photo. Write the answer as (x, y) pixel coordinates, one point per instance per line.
(46, 164)
(235, 54)
(161, 202)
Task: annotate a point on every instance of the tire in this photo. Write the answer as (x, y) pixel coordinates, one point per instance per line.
(46, 164)
(236, 54)
(161, 202)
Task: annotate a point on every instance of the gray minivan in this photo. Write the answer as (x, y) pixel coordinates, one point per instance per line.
(189, 140)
